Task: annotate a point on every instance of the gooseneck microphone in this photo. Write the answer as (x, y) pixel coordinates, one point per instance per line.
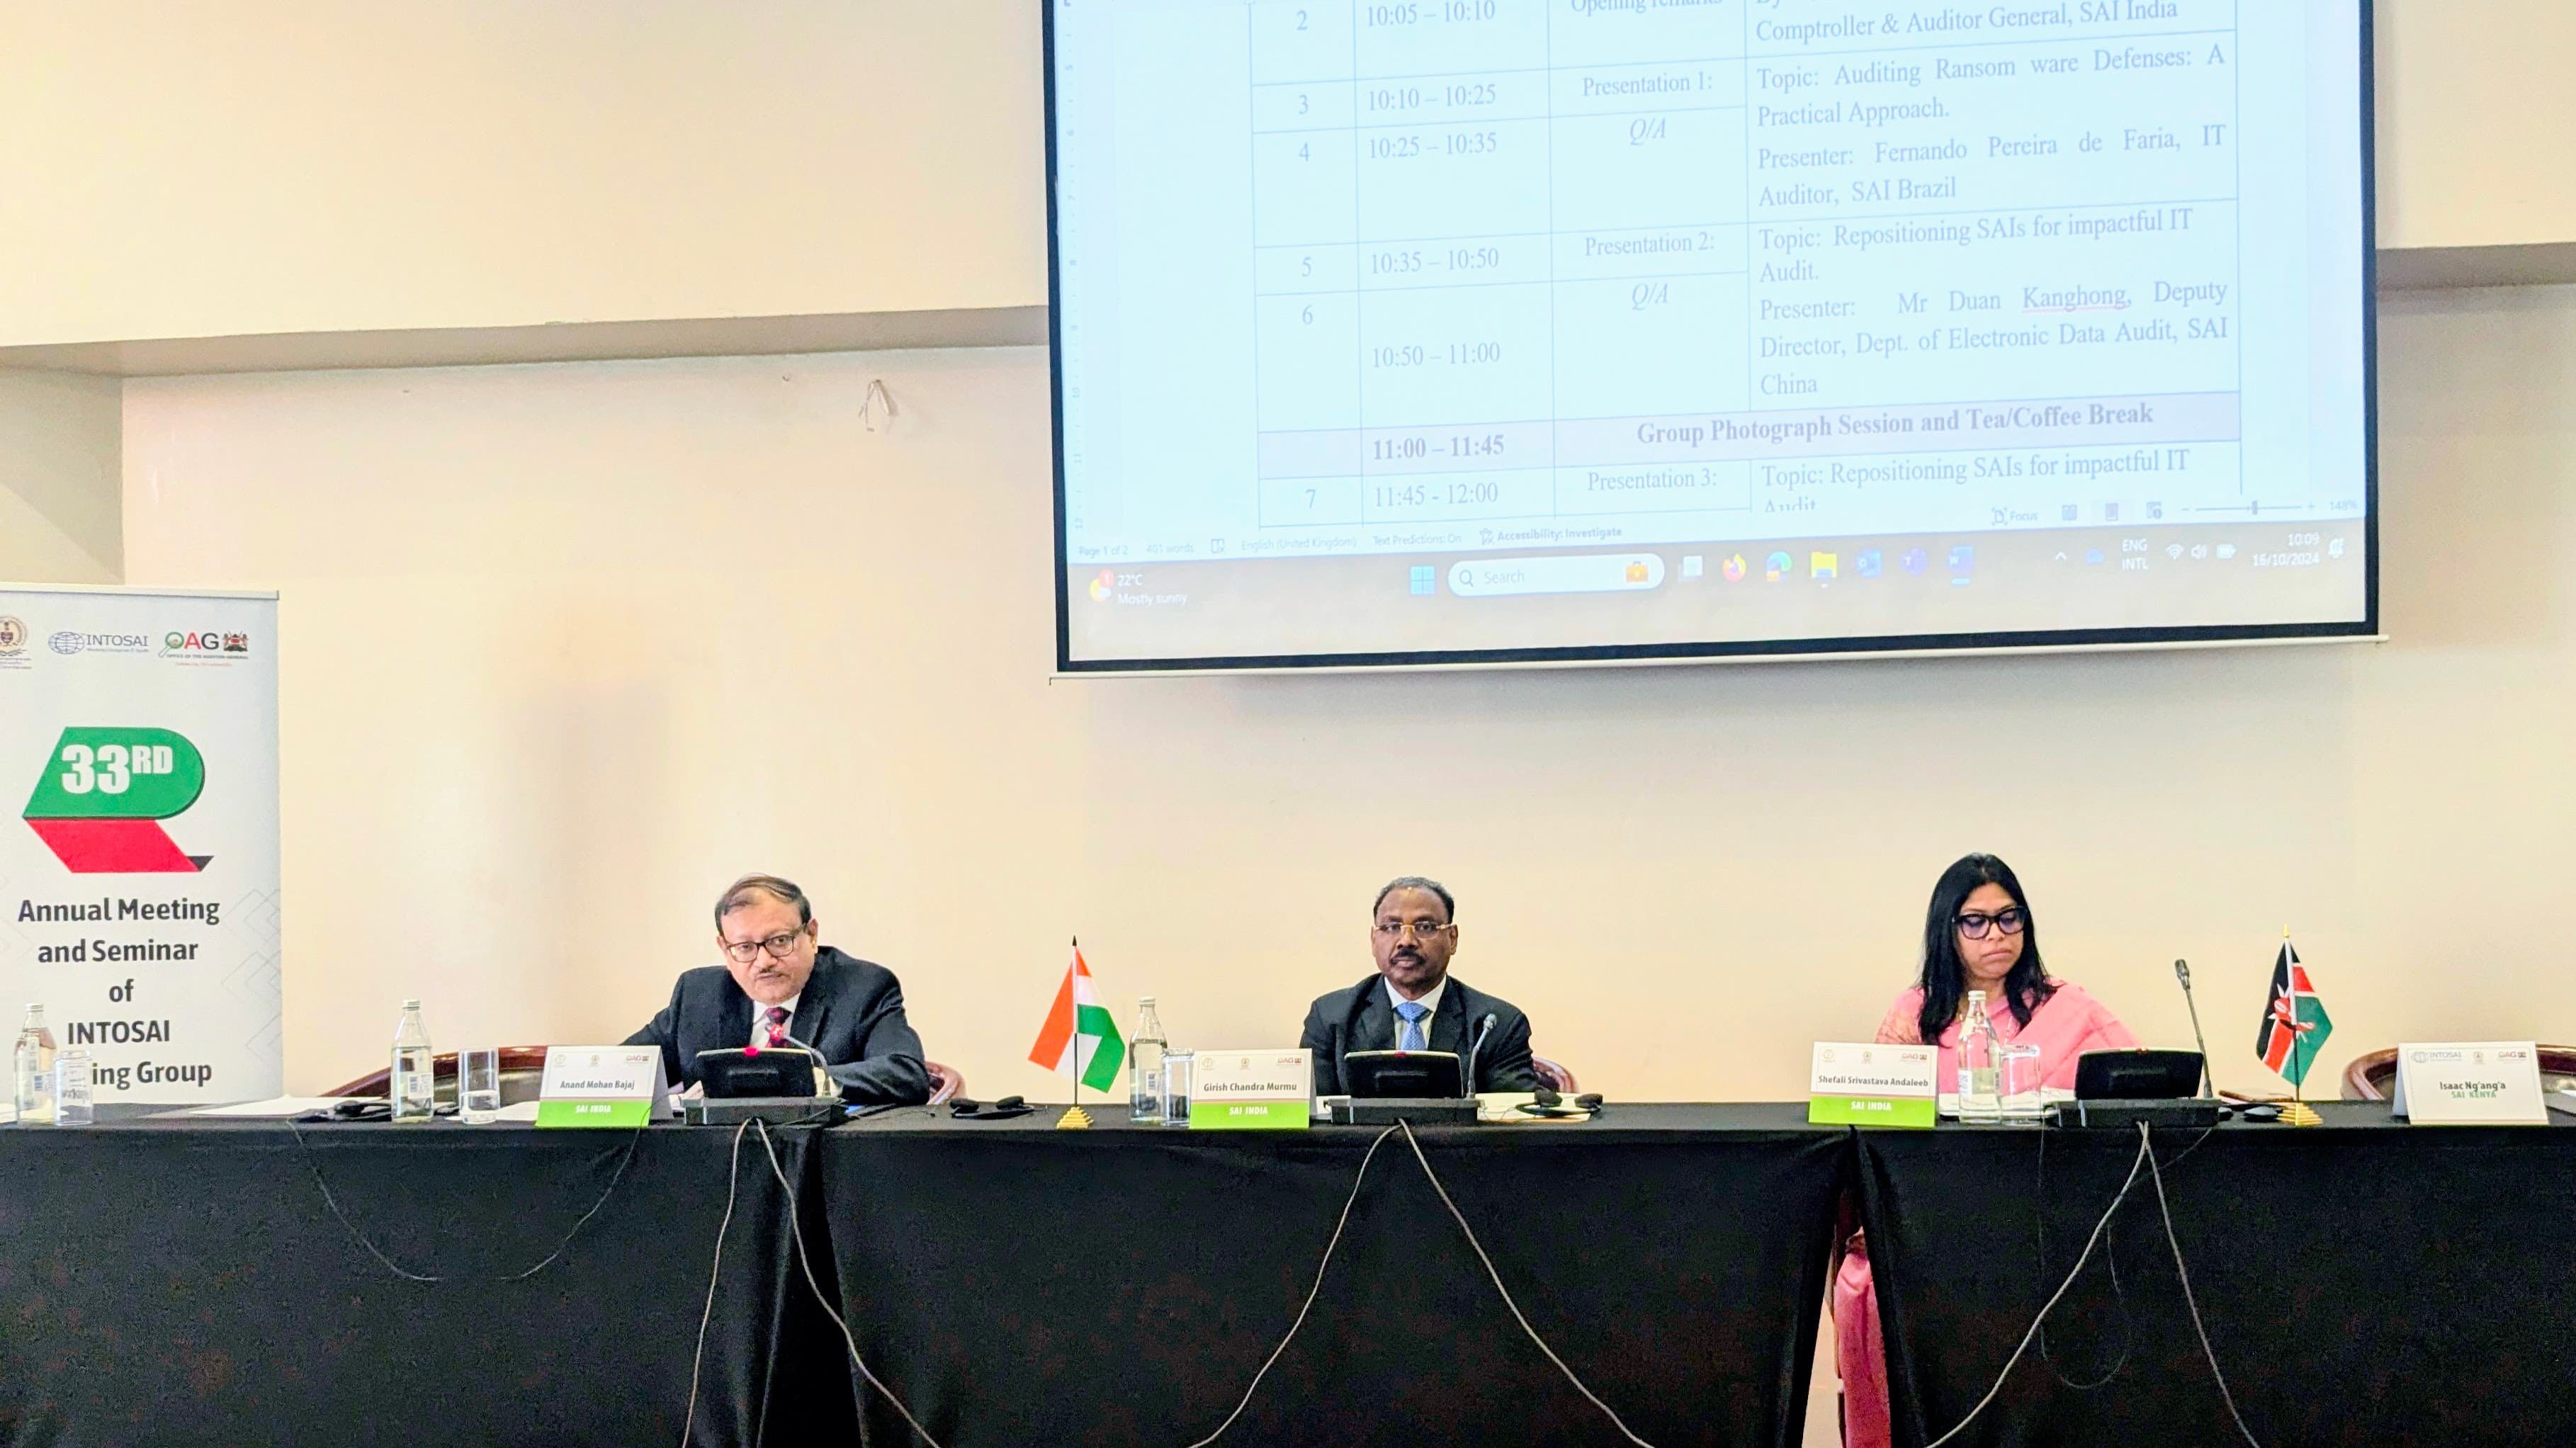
(822, 1062)
(2208, 1075)
(1483, 1028)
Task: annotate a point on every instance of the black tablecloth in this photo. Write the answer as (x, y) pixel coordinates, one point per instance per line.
(2361, 1283)
(1018, 1284)
(169, 1283)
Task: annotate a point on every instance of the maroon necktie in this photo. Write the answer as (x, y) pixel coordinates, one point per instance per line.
(776, 1019)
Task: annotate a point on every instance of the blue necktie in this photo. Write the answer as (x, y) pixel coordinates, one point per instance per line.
(1410, 1038)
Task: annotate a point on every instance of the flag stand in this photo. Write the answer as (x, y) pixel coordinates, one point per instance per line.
(2298, 1114)
(1074, 1117)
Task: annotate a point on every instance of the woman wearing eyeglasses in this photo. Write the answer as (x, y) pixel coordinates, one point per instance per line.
(1977, 935)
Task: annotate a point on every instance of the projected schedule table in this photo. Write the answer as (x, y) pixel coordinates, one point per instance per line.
(1592, 260)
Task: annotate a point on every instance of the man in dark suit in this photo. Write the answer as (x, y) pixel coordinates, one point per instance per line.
(1413, 1004)
(777, 982)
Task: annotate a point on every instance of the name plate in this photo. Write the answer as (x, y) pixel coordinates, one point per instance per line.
(602, 1086)
(1856, 1084)
(1252, 1090)
(2469, 1083)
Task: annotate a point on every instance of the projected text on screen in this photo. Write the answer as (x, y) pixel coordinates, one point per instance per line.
(1467, 328)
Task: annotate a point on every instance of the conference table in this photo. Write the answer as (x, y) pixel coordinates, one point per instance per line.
(2361, 1282)
(173, 1280)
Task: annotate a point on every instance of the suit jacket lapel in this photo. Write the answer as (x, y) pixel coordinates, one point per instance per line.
(1373, 1024)
(1448, 1025)
(729, 1026)
(816, 1002)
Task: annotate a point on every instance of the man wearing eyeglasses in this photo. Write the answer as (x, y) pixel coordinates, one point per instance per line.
(778, 982)
(1412, 1004)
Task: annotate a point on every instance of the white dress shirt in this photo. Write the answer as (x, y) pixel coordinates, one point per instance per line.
(1430, 1003)
(760, 1021)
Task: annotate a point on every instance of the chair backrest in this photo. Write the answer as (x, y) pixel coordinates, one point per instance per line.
(945, 1082)
(2373, 1077)
(523, 1074)
(1554, 1076)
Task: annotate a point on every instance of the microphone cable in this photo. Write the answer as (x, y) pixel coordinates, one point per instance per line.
(2119, 1297)
(2165, 1210)
(1506, 1292)
(1490, 1272)
(1311, 1293)
(697, 1361)
(796, 1228)
(2145, 1162)
(305, 1150)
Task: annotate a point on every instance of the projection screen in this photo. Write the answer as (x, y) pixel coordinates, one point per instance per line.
(1409, 332)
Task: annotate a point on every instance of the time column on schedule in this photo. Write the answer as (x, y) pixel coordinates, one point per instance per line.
(1305, 225)
(1456, 328)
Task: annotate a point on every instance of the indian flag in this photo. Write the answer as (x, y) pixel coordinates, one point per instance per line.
(1079, 1038)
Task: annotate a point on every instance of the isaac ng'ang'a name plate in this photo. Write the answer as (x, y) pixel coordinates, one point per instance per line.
(2469, 1083)
(1862, 1084)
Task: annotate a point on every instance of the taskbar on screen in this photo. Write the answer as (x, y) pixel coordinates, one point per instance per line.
(1773, 596)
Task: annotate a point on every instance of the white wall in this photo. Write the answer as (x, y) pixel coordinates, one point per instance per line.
(2474, 113)
(184, 169)
(566, 648)
(61, 485)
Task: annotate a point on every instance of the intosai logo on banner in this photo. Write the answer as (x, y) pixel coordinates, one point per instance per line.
(100, 802)
(73, 641)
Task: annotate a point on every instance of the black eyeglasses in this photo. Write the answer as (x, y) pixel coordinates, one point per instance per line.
(779, 946)
(1974, 924)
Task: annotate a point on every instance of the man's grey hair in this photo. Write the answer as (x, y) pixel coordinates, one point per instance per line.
(749, 888)
(1417, 882)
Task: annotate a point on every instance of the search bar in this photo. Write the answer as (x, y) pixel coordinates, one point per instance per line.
(1583, 573)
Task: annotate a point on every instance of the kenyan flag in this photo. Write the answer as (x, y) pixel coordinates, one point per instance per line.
(100, 802)
(2295, 1023)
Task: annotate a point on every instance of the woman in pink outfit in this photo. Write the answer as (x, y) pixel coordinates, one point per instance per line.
(1976, 936)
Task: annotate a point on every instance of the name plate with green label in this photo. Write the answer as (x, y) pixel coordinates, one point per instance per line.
(1858, 1084)
(1252, 1091)
(602, 1086)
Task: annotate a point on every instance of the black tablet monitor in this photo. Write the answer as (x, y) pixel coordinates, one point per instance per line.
(2137, 1075)
(770, 1071)
(1418, 1075)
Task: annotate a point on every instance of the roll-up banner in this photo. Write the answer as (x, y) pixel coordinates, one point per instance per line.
(138, 885)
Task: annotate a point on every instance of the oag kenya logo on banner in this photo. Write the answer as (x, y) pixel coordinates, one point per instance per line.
(139, 895)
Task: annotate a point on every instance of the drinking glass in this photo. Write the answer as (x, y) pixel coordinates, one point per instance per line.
(1177, 1069)
(478, 1084)
(2017, 1080)
(74, 1104)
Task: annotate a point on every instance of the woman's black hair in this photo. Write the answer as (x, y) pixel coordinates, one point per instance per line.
(1945, 976)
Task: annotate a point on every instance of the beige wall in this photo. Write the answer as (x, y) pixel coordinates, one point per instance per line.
(178, 168)
(183, 169)
(61, 485)
(2476, 117)
(566, 647)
